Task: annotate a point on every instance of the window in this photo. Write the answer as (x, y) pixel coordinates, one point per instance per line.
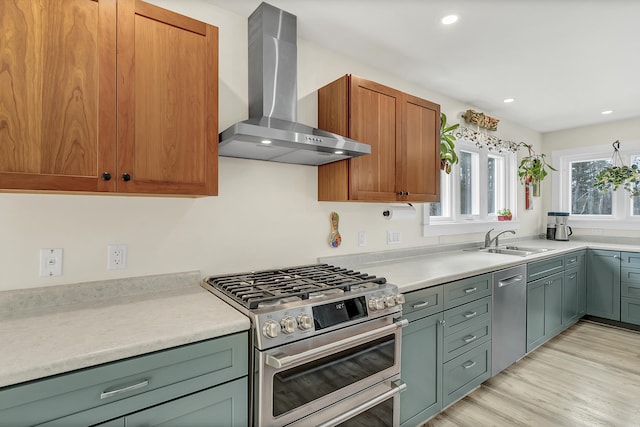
(573, 189)
(473, 192)
(585, 199)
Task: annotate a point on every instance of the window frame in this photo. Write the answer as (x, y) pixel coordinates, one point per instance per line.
(455, 223)
(621, 204)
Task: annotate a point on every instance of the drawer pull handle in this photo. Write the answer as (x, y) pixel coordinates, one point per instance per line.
(470, 338)
(573, 276)
(470, 290)
(420, 304)
(470, 314)
(572, 260)
(107, 394)
(470, 364)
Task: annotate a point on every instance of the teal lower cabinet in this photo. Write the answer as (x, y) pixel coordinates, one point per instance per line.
(603, 284)
(574, 292)
(177, 386)
(421, 370)
(221, 406)
(466, 372)
(630, 310)
(544, 309)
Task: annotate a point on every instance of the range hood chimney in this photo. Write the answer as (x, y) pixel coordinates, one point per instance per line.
(272, 133)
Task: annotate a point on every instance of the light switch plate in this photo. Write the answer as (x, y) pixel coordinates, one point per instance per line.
(362, 238)
(393, 237)
(51, 262)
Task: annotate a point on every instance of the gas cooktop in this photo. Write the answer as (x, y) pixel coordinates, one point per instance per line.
(262, 289)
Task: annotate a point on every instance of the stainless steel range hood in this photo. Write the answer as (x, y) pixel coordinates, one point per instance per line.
(272, 133)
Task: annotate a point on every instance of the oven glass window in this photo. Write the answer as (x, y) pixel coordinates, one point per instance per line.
(380, 415)
(298, 386)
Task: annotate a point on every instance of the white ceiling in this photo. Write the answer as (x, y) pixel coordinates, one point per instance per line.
(564, 61)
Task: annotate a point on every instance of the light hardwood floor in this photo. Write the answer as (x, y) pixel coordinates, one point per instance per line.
(589, 375)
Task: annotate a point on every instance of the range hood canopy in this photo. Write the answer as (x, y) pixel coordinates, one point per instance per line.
(272, 133)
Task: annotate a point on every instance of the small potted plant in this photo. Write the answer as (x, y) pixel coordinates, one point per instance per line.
(448, 156)
(504, 214)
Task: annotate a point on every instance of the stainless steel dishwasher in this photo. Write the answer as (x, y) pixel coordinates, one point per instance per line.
(509, 317)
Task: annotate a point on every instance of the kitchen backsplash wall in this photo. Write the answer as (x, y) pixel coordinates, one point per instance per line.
(266, 215)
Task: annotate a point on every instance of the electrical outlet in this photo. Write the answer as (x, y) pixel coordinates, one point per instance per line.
(51, 262)
(393, 237)
(362, 238)
(117, 257)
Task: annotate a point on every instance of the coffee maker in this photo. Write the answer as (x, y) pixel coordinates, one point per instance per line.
(557, 228)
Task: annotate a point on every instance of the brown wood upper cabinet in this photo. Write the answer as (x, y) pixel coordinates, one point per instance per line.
(107, 96)
(404, 164)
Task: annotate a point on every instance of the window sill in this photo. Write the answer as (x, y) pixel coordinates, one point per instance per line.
(607, 224)
(441, 228)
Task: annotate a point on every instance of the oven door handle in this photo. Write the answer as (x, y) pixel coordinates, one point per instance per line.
(281, 360)
(396, 387)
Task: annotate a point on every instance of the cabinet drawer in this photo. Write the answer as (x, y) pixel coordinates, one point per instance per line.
(423, 303)
(465, 315)
(630, 310)
(630, 289)
(128, 385)
(630, 275)
(465, 372)
(572, 260)
(539, 269)
(630, 259)
(465, 290)
(466, 339)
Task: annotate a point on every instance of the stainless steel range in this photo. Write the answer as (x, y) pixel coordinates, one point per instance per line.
(326, 345)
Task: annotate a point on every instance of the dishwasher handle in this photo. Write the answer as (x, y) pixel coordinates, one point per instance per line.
(510, 281)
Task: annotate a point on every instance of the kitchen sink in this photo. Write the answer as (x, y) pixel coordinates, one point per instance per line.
(511, 250)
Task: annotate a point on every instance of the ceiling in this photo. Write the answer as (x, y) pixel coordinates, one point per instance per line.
(563, 61)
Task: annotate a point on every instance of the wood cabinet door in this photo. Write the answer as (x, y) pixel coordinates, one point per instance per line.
(57, 94)
(419, 167)
(167, 102)
(374, 120)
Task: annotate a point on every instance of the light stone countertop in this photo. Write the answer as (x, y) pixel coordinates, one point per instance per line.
(44, 341)
(424, 267)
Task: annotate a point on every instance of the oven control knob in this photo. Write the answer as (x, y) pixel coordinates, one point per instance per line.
(390, 300)
(376, 303)
(270, 329)
(400, 299)
(304, 321)
(288, 324)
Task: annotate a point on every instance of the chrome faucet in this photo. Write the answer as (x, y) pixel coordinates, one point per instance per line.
(488, 240)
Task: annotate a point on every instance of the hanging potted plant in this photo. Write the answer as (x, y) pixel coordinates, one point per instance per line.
(533, 168)
(448, 156)
(619, 174)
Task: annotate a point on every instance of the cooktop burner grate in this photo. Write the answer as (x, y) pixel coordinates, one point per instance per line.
(271, 286)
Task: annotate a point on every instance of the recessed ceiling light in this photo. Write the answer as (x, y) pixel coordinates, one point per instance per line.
(509, 100)
(605, 112)
(265, 141)
(449, 19)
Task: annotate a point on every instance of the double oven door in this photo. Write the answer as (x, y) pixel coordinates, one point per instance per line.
(348, 377)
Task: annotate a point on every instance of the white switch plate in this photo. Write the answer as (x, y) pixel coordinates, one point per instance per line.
(117, 257)
(393, 237)
(362, 238)
(51, 262)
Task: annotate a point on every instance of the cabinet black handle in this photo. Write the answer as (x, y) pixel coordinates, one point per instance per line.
(126, 177)
(106, 176)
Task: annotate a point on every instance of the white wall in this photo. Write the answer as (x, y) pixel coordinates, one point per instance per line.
(596, 135)
(266, 214)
